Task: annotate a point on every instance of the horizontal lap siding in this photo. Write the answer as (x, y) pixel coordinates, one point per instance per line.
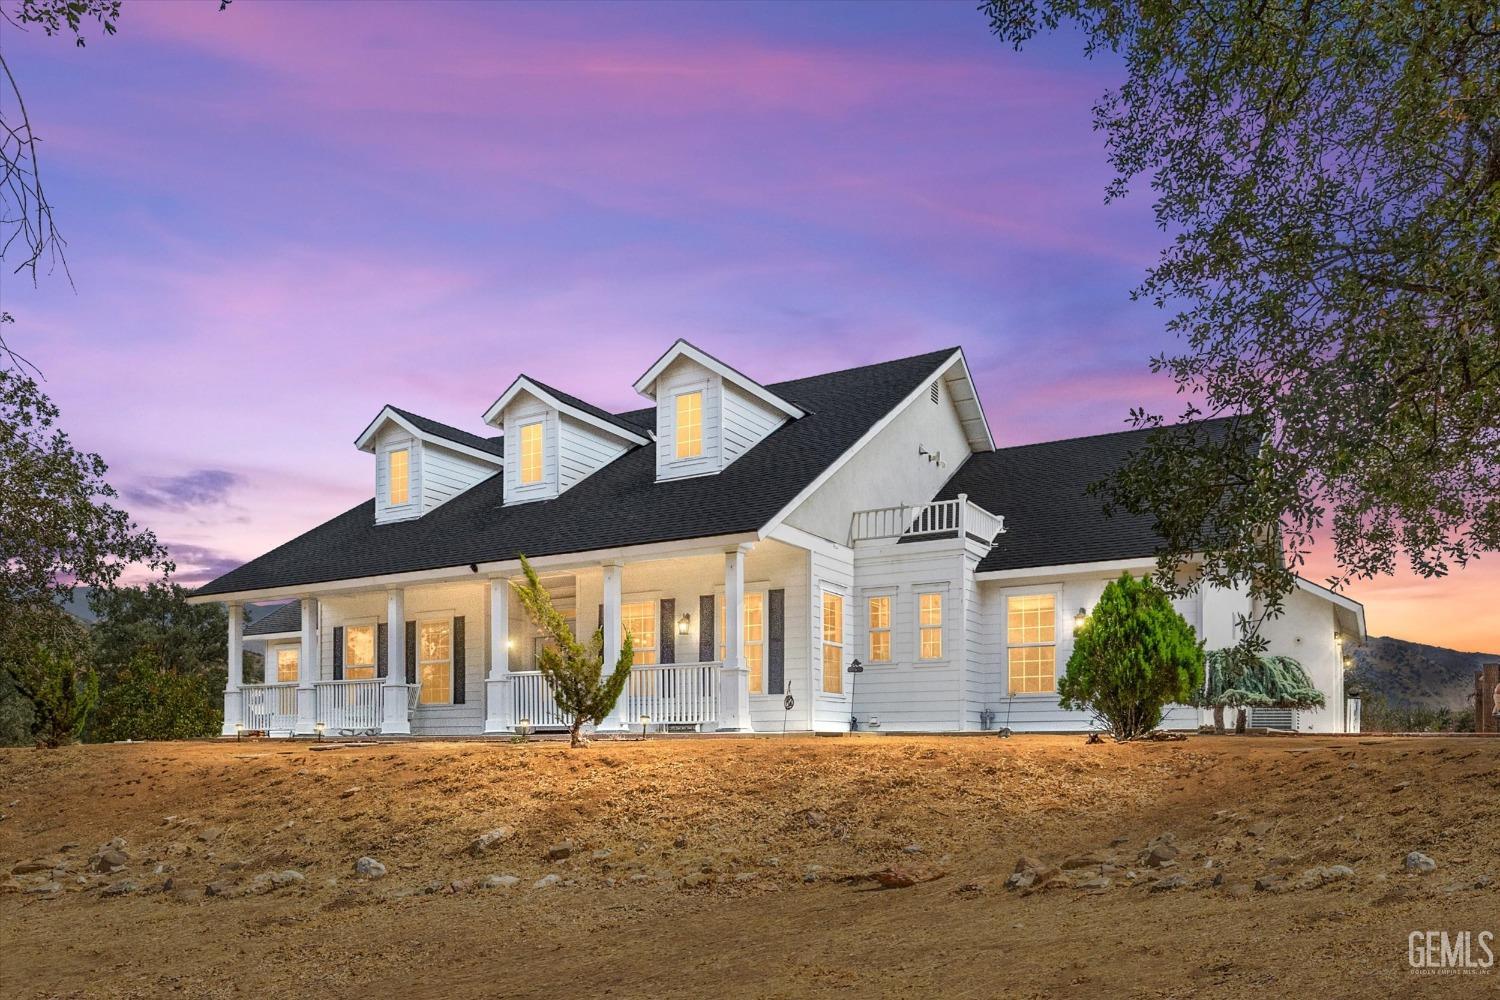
(445, 474)
(393, 438)
(746, 421)
(583, 451)
(685, 375)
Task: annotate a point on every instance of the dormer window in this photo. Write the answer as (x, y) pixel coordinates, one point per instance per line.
(398, 472)
(531, 452)
(689, 435)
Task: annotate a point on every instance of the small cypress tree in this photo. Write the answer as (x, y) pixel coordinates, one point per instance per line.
(574, 671)
(1134, 655)
(1241, 680)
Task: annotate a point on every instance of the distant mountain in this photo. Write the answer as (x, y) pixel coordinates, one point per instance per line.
(1411, 675)
(78, 607)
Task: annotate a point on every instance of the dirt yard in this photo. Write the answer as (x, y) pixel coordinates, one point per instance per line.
(1207, 868)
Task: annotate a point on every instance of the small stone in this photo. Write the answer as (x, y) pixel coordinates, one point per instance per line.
(1159, 855)
(546, 881)
(289, 877)
(31, 867)
(351, 792)
(1259, 828)
(433, 887)
(1239, 890)
(770, 863)
(1027, 864)
(1268, 883)
(1169, 883)
(459, 885)
(560, 850)
(601, 854)
(912, 849)
(743, 877)
(1020, 880)
(894, 878)
(1418, 862)
(500, 882)
(815, 819)
(810, 873)
(45, 889)
(1119, 841)
(369, 868)
(1484, 881)
(1336, 872)
(489, 840)
(108, 860)
(695, 880)
(1083, 861)
(124, 888)
(1095, 884)
(219, 888)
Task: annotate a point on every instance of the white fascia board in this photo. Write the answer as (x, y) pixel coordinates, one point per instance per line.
(524, 384)
(1353, 608)
(645, 385)
(1070, 569)
(985, 439)
(850, 452)
(269, 636)
(707, 545)
(366, 439)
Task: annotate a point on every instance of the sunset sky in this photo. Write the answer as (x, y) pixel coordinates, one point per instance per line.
(282, 216)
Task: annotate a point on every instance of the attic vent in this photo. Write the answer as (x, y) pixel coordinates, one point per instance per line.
(933, 394)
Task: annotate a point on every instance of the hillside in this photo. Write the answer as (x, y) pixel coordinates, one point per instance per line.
(744, 867)
(1413, 675)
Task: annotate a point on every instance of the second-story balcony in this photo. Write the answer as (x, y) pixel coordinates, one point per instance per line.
(957, 518)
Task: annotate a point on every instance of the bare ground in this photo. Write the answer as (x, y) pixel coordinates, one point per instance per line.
(740, 868)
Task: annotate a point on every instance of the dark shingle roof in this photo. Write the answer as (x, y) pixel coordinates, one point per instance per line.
(629, 422)
(286, 618)
(1042, 492)
(621, 504)
(492, 445)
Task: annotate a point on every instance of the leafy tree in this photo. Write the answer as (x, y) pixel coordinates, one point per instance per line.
(1134, 655)
(44, 655)
(574, 671)
(58, 528)
(1241, 679)
(1330, 177)
(147, 700)
(24, 630)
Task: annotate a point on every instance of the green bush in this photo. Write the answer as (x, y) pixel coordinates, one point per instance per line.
(1133, 656)
(148, 701)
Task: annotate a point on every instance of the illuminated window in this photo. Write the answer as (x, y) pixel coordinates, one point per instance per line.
(287, 660)
(531, 453)
(880, 630)
(1031, 643)
(689, 430)
(398, 472)
(753, 624)
(638, 620)
(929, 626)
(833, 643)
(435, 661)
(359, 652)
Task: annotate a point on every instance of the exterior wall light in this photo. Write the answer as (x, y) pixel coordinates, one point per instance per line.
(684, 623)
(1079, 620)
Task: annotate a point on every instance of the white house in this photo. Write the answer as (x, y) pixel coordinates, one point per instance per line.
(753, 540)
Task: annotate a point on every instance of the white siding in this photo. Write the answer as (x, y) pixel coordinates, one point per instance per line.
(582, 450)
(527, 409)
(682, 376)
(1304, 631)
(746, 422)
(447, 473)
(888, 470)
(393, 438)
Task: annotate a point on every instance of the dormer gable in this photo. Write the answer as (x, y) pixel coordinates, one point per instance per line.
(707, 413)
(556, 440)
(420, 463)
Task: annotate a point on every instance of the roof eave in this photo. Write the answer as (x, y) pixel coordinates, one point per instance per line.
(524, 384)
(646, 384)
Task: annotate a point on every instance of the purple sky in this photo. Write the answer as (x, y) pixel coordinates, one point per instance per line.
(283, 216)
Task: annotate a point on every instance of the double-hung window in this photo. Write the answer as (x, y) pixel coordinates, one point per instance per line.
(879, 650)
(1031, 643)
(639, 621)
(359, 652)
(287, 660)
(531, 452)
(930, 626)
(435, 661)
(753, 624)
(833, 643)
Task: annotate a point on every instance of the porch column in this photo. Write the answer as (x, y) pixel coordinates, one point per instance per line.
(734, 676)
(499, 702)
(307, 669)
(236, 671)
(613, 575)
(395, 718)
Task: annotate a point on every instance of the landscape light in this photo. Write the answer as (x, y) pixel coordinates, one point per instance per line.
(318, 728)
(645, 721)
(523, 726)
(239, 730)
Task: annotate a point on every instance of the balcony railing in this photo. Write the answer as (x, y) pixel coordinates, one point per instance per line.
(268, 708)
(666, 693)
(955, 518)
(349, 706)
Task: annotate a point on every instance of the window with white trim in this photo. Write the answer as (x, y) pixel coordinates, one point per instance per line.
(753, 625)
(398, 476)
(435, 661)
(638, 620)
(688, 431)
(359, 652)
(288, 659)
(833, 643)
(879, 648)
(1031, 643)
(930, 626)
(531, 452)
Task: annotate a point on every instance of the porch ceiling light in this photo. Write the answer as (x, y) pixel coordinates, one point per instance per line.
(684, 623)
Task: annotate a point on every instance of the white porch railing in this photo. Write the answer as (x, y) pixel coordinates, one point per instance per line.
(349, 705)
(668, 693)
(672, 694)
(958, 517)
(266, 708)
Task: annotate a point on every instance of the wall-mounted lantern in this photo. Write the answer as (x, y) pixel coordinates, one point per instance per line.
(684, 623)
(1079, 620)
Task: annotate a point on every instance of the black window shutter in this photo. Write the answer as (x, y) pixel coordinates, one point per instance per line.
(707, 653)
(458, 660)
(666, 639)
(382, 649)
(411, 652)
(338, 652)
(776, 653)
